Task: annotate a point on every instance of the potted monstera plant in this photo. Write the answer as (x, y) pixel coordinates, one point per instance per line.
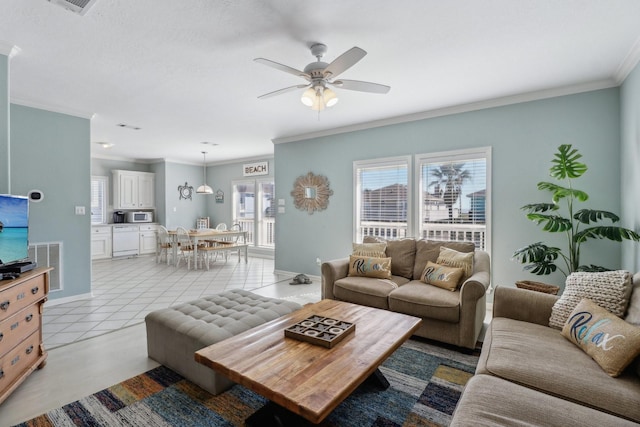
(562, 216)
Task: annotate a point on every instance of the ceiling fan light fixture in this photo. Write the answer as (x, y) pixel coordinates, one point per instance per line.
(330, 97)
(308, 97)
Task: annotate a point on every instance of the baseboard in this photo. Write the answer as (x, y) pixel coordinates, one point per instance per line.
(64, 300)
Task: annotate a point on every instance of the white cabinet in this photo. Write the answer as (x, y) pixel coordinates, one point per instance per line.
(148, 239)
(101, 242)
(133, 190)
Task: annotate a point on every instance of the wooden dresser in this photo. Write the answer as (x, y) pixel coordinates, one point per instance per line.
(21, 349)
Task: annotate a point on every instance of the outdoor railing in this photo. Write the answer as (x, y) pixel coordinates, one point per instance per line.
(267, 231)
(475, 233)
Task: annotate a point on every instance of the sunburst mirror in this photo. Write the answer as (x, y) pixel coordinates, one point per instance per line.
(311, 193)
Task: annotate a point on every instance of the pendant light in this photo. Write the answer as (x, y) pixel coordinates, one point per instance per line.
(204, 188)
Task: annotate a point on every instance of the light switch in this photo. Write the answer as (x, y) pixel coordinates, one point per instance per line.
(79, 210)
(280, 202)
(280, 209)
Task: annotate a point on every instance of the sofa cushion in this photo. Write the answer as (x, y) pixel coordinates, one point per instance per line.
(452, 258)
(609, 340)
(366, 266)
(609, 289)
(441, 276)
(402, 253)
(539, 357)
(369, 249)
(427, 301)
(366, 291)
(429, 250)
(488, 401)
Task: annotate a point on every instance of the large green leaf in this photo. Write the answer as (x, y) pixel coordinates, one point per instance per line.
(616, 234)
(587, 216)
(566, 164)
(552, 223)
(540, 207)
(559, 192)
(536, 252)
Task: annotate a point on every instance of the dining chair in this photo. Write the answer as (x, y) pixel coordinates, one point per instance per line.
(164, 244)
(232, 241)
(186, 248)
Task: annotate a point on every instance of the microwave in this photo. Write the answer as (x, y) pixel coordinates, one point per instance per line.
(139, 216)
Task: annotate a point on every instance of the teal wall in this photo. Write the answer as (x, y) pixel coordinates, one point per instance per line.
(4, 124)
(630, 172)
(50, 152)
(183, 212)
(523, 138)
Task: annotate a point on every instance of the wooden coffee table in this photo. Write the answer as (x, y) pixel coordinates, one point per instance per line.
(306, 379)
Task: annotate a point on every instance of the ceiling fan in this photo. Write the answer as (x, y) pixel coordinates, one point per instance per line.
(319, 75)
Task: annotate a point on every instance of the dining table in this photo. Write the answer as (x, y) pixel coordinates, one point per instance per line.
(199, 234)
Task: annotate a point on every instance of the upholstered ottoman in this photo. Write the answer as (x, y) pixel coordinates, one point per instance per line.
(174, 334)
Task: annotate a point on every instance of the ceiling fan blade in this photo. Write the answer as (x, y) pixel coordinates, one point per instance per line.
(361, 86)
(281, 91)
(344, 62)
(282, 67)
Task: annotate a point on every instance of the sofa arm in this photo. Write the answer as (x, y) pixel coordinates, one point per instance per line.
(523, 304)
(475, 287)
(331, 271)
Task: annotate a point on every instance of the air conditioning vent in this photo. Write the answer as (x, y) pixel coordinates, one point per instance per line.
(76, 6)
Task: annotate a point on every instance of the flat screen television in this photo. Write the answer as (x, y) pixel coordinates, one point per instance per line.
(14, 229)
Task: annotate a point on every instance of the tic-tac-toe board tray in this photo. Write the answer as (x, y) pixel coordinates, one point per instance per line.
(320, 330)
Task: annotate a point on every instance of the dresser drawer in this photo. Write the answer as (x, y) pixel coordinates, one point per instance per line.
(21, 294)
(20, 325)
(19, 360)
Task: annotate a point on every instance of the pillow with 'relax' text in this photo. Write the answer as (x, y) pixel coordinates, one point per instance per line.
(366, 266)
(609, 340)
(442, 276)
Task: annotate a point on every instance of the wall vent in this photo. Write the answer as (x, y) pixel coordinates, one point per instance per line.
(76, 6)
(49, 255)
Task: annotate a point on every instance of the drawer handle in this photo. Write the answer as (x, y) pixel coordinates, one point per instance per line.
(5, 305)
(1, 373)
(1, 336)
(35, 290)
(29, 317)
(29, 349)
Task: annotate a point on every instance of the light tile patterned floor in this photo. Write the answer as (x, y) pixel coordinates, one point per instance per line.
(126, 290)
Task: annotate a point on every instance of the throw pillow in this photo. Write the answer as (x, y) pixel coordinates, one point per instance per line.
(609, 289)
(441, 276)
(365, 266)
(401, 251)
(369, 249)
(609, 340)
(429, 250)
(633, 312)
(453, 258)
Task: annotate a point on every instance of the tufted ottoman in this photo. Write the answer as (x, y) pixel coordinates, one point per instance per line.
(174, 334)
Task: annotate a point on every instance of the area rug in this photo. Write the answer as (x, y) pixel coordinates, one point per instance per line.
(426, 382)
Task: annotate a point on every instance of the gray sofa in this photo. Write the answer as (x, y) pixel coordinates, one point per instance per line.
(529, 374)
(453, 317)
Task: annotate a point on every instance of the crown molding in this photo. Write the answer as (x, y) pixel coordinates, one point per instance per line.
(8, 49)
(628, 63)
(457, 109)
(53, 108)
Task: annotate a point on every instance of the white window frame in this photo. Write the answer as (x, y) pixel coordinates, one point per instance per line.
(105, 196)
(376, 163)
(456, 156)
(258, 208)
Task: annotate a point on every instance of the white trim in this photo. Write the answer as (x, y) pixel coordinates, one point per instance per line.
(53, 108)
(8, 49)
(58, 301)
(628, 63)
(457, 109)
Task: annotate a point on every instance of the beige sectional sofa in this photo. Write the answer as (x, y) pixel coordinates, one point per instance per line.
(529, 374)
(454, 317)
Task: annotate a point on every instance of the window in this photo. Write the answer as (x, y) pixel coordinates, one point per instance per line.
(254, 210)
(453, 194)
(98, 199)
(451, 200)
(382, 198)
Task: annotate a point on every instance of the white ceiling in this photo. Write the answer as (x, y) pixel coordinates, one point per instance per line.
(183, 71)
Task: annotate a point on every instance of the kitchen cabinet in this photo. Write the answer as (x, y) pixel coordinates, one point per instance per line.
(148, 239)
(100, 241)
(133, 190)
